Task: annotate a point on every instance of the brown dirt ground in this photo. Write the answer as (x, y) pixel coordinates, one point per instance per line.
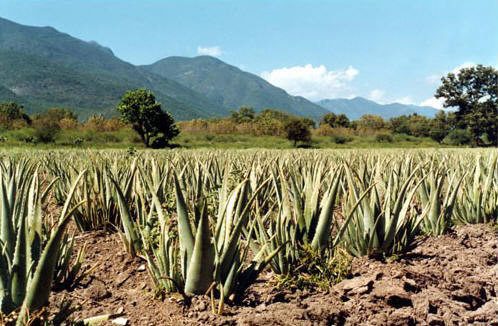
(446, 280)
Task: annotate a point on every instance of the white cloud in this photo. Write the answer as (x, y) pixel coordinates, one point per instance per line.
(434, 102)
(311, 82)
(377, 95)
(214, 51)
(404, 100)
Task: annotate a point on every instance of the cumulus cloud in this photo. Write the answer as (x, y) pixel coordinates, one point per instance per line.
(311, 82)
(434, 102)
(214, 51)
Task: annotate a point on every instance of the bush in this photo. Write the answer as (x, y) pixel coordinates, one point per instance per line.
(384, 138)
(458, 137)
(340, 139)
(46, 129)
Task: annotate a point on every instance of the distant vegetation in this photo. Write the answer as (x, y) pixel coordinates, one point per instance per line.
(473, 91)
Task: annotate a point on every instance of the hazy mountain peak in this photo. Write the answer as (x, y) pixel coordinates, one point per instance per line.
(231, 87)
(356, 107)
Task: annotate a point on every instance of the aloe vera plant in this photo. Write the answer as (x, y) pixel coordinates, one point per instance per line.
(478, 200)
(440, 210)
(27, 264)
(385, 221)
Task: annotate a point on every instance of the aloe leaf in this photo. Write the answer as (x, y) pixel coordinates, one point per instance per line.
(39, 286)
(326, 215)
(200, 270)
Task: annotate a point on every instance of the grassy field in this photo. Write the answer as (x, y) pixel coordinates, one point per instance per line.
(213, 221)
(126, 138)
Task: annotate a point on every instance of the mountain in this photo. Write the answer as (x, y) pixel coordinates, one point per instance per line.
(41, 67)
(358, 106)
(230, 87)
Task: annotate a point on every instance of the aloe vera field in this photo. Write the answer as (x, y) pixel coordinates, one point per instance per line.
(249, 237)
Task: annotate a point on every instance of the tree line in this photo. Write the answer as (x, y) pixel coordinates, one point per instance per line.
(471, 94)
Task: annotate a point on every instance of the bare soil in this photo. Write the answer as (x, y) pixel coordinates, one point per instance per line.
(446, 280)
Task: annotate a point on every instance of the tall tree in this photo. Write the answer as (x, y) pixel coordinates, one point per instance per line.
(474, 91)
(298, 130)
(143, 112)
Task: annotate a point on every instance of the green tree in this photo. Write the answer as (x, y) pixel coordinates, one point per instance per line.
(399, 125)
(342, 121)
(441, 126)
(245, 114)
(371, 121)
(474, 91)
(419, 125)
(154, 126)
(298, 130)
(270, 114)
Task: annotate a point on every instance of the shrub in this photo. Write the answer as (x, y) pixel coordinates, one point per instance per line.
(340, 139)
(384, 138)
(458, 137)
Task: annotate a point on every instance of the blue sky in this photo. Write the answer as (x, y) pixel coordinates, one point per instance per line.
(386, 50)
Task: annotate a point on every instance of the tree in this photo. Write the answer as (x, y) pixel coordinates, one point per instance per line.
(441, 126)
(419, 125)
(46, 128)
(399, 125)
(140, 109)
(371, 121)
(329, 119)
(474, 91)
(342, 121)
(10, 113)
(297, 130)
(245, 114)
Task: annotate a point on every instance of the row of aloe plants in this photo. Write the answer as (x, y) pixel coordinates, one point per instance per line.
(209, 222)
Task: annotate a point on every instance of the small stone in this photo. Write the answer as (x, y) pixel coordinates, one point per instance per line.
(361, 290)
(141, 268)
(354, 283)
(120, 321)
(120, 310)
(122, 277)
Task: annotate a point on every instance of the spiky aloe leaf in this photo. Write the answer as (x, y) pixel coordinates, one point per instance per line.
(184, 228)
(19, 268)
(39, 286)
(322, 232)
(7, 235)
(129, 226)
(200, 270)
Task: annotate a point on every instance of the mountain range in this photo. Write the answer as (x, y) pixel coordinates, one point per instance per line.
(358, 106)
(41, 67)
